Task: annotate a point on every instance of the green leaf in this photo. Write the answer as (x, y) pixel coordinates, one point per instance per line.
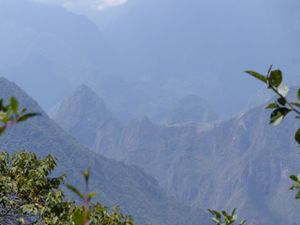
(75, 190)
(294, 178)
(297, 195)
(257, 75)
(272, 106)
(276, 118)
(27, 116)
(242, 222)
(1, 104)
(275, 78)
(224, 213)
(86, 174)
(91, 195)
(77, 218)
(298, 94)
(215, 213)
(297, 136)
(21, 220)
(234, 217)
(278, 114)
(14, 105)
(233, 212)
(2, 129)
(216, 220)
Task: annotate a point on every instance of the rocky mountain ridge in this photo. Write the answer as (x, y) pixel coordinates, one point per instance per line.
(116, 184)
(242, 162)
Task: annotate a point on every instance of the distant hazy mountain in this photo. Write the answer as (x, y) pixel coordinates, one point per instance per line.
(47, 48)
(85, 116)
(174, 48)
(243, 162)
(152, 54)
(115, 183)
(191, 109)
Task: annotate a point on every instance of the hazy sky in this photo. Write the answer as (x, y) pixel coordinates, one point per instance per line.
(85, 4)
(148, 54)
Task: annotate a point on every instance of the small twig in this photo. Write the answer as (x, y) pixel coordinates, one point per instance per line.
(287, 102)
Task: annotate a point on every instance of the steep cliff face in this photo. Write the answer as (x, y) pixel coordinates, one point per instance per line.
(115, 183)
(243, 162)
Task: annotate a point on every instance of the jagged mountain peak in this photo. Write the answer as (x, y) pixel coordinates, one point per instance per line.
(84, 103)
(86, 98)
(85, 89)
(85, 116)
(117, 184)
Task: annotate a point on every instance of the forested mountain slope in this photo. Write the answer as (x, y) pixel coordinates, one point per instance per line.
(115, 183)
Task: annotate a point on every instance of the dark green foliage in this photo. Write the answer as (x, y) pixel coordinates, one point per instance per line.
(281, 108)
(116, 184)
(275, 78)
(10, 114)
(296, 185)
(95, 214)
(278, 114)
(29, 195)
(224, 218)
(297, 136)
(257, 75)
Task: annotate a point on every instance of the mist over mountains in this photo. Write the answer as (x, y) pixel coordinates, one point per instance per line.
(152, 54)
(152, 95)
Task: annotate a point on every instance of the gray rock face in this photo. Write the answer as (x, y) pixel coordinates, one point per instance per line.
(85, 116)
(243, 162)
(189, 109)
(115, 183)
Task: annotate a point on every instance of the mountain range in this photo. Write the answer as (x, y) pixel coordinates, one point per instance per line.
(242, 162)
(166, 139)
(116, 184)
(152, 55)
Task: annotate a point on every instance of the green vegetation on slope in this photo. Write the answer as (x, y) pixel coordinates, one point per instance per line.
(116, 184)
